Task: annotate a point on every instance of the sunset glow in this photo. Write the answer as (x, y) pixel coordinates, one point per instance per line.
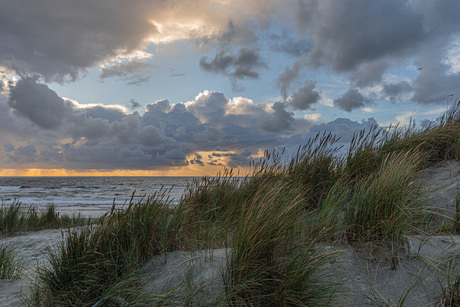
(188, 88)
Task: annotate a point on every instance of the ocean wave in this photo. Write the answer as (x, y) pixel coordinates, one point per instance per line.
(10, 187)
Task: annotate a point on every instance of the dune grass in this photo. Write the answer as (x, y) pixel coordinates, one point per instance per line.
(10, 265)
(269, 264)
(272, 220)
(97, 258)
(18, 217)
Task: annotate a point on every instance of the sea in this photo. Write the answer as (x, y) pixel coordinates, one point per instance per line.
(89, 196)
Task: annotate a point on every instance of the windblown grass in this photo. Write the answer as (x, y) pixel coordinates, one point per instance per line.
(10, 265)
(269, 264)
(95, 259)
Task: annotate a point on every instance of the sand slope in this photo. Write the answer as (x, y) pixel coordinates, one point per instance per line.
(31, 248)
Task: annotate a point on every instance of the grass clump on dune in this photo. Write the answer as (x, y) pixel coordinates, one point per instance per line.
(17, 217)
(92, 261)
(10, 264)
(269, 264)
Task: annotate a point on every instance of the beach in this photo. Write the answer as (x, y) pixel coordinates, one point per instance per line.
(367, 277)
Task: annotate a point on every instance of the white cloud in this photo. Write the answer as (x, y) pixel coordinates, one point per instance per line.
(314, 117)
(369, 110)
(453, 57)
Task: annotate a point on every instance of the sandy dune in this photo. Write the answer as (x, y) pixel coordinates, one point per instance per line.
(421, 272)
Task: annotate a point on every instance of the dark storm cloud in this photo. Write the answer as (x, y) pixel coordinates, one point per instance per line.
(38, 103)
(435, 81)
(123, 69)
(348, 33)
(165, 135)
(244, 64)
(105, 137)
(280, 120)
(393, 91)
(306, 97)
(366, 38)
(60, 39)
(351, 100)
(21, 154)
(369, 73)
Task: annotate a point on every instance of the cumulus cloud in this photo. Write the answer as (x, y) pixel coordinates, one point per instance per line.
(306, 97)
(104, 137)
(280, 119)
(38, 103)
(351, 100)
(98, 136)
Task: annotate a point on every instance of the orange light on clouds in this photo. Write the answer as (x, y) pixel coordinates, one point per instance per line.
(191, 170)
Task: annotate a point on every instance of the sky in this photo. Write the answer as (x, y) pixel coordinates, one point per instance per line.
(188, 88)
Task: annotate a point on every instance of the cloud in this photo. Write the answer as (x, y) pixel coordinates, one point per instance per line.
(233, 160)
(137, 80)
(166, 135)
(21, 154)
(242, 65)
(285, 79)
(123, 69)
(241, 33)
(393, 91)
(133, 104)
(369, 73)
(305, 97)
(71, 135)
(38, 103)
(364, 39)
(435, 81)
(280, 119)
(291, 46)
(350, 33)
(61, 39)
(351, 100)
